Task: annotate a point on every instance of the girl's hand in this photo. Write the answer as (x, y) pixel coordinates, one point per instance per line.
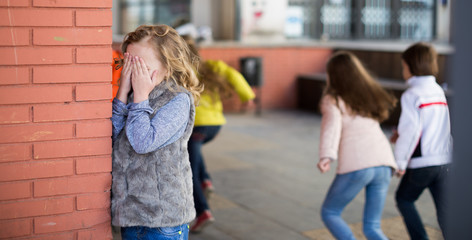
(143, 81)
(125, 78)
(400, 173)
(324, 165)
(394, 137)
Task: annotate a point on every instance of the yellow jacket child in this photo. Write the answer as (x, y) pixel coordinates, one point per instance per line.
(209, 112)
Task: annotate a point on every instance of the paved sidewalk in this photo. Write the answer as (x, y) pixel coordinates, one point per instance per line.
(268, 187)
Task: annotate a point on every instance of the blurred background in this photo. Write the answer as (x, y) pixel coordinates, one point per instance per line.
(409, 20)
(291, 40)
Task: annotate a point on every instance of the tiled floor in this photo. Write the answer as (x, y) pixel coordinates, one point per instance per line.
(268, 187)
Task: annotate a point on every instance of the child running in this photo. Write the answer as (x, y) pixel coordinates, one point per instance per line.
(423, 142)
(220, 81)
(352, 107)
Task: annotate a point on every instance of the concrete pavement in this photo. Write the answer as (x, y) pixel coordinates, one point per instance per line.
(268, 187)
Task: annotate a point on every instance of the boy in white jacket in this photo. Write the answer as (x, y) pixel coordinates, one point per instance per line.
(424, 142)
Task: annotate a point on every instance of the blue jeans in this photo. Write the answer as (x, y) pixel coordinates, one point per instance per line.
(412, 185)
(344, 188)
(200, 136)
(160, 233)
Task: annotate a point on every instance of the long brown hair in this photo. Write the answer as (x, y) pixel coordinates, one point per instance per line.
(349, 80)
(173, 53)
(213, 82)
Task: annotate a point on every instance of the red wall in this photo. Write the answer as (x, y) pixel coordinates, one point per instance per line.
(55, 130)
(281, 65)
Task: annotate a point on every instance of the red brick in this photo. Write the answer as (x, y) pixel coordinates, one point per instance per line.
(94, 18)
(77, 220)
(94, 55)
(15, 190)
(33, 170)
(15, 152)
(102, 231)
(18, 75)
(16, 228)
(72, 74)
(19, 114)
(88, 129)
(14, 3)
(36, 132)
(72, 36)
(74, 3)
(15, 17)
(36, 94)
(72, 185)
(93, 165)
(93, 201)
(30, 56)
(73, 148)
(280, 91)
(93, 92)
(62, 236)
(14, 37)
(43, 113)
(36, 208)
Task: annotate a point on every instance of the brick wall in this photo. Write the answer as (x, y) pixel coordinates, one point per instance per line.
(281, 65)
(55, 107)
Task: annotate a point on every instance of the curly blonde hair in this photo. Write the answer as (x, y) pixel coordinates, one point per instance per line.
(173, 53)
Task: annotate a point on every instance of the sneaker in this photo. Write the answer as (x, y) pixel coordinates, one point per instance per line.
(208, 189)
(201, 222)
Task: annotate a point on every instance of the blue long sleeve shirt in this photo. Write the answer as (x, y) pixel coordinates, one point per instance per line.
(145, 134)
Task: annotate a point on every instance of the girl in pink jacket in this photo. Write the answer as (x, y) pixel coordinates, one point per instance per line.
(352, 107)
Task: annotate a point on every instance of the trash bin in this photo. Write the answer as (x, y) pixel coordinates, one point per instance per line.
(251, 69)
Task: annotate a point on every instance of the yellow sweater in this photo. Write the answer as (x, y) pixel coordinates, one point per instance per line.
(209, 111)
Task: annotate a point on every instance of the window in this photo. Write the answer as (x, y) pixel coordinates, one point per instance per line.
(416, 19)
(133, 13)
(412, 20)
(367, 19)
(301, 19)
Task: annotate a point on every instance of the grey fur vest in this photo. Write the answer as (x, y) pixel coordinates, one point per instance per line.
(153, 189)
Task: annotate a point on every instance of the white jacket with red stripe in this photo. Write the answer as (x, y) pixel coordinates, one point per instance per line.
(424, 128)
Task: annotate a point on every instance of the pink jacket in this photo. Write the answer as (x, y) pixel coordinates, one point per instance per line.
(356, 142)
